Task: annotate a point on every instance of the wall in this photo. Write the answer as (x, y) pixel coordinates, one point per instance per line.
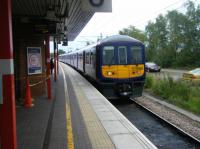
(24, 37)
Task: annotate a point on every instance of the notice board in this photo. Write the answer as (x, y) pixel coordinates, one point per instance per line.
(34, 61)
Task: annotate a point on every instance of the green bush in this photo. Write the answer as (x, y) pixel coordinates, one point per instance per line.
(163, 87)
(182, 90)
(148, 81)
(181, 93)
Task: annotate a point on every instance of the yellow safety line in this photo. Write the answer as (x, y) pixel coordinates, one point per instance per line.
(70, 140)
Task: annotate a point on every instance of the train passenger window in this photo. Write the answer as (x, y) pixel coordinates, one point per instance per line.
(87, 58)
(108, 55)
(136, 54)
(122, 55)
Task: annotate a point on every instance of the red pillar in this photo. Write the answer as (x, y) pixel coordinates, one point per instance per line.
(7, 94)
(48, 68)
(55, 60)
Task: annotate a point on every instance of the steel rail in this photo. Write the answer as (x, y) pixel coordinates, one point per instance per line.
(192, 138)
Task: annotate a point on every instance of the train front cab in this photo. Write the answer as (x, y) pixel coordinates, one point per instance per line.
(121, 68)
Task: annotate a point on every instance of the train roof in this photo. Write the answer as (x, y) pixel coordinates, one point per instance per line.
(113, 39)
(119, 38)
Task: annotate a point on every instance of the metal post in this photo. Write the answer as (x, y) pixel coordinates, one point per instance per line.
(8, 137)
(57, 54)
(55, 60)
(48, 68)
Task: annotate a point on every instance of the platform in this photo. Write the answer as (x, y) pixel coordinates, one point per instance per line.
(78, 117)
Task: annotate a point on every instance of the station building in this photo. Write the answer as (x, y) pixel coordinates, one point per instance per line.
(26, 28)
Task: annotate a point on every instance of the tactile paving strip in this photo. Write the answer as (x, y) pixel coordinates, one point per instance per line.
(97, 134)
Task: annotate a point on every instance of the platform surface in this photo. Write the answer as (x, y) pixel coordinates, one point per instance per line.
(78, 117)
(106, 126)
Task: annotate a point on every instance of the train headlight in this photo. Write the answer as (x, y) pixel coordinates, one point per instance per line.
(109, 73)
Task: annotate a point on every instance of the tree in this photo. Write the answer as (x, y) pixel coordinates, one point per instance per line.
(177, 31)
(133, 32)
(157, 41)
(173, 39)
(151, 41)
(60, 51)
(193, 32)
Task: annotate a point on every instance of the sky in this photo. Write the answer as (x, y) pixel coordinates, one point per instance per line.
(124, 13)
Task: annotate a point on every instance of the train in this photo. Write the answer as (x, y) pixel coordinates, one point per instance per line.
(116, 64)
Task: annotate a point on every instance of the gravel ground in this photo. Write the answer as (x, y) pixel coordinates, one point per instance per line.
(185, 123)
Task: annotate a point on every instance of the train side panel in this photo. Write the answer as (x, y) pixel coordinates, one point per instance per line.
(80, 61)
(90, 62)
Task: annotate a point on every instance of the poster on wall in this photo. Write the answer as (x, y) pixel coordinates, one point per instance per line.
(34, 61)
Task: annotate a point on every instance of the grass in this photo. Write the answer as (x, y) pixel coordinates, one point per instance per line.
(181, 93)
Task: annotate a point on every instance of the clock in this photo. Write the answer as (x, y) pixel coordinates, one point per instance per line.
(96, 3)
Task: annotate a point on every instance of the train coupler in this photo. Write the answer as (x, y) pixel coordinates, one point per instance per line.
(124, 89)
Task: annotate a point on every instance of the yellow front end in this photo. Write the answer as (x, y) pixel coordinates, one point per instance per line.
(122, 71)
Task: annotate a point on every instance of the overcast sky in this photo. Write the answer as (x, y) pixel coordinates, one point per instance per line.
(125, 13)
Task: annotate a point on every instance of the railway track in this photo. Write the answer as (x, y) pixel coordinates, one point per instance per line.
(190, 137)
(165, 135)
(162, 133)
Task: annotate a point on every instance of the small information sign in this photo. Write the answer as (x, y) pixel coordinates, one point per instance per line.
(34, 61)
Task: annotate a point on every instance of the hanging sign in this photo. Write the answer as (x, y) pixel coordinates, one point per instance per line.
(34, 61)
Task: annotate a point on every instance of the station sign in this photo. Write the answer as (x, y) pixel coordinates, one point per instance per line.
(97, 5)
(45, 28)
(34, 61)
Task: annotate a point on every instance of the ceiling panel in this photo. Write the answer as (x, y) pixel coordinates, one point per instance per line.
(70, 13)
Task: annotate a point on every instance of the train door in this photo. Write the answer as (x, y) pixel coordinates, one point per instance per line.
(77, 57)
(84, 61)
(109, 69)
(98, 63)
(136, 60)
(122, 68)
(74, 59)
(70, 59)
(94, 60)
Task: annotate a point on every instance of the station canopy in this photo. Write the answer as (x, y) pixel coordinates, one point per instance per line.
(62, 18)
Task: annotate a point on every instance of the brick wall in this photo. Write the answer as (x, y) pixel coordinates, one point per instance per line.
(24, 37)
